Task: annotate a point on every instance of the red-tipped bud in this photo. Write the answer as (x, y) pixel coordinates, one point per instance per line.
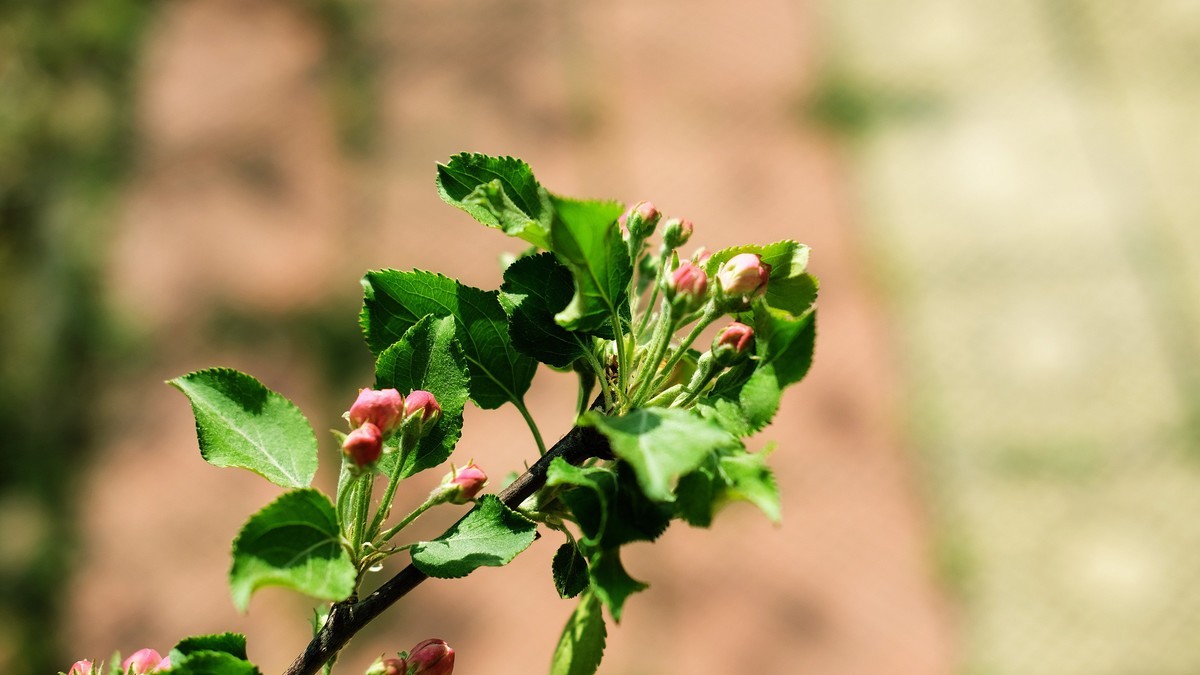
(423, 412)
(733, 344)
(142, 661)
(431, 657)
(686, 287)
(364, 445)
(640, 220)
(677, 232)
(384, 408)
(82, 667)
(465, 483)
(743, 277)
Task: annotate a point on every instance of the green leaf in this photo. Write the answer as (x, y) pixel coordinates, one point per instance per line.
(789, 288)
(499, 192)
(428, 357)
(292, 542)
(395, 301)
(608, 504)
(695, 494)
(747, 477)
(535, 289)
(491, 535)
(233, 644)
(581, 646)
(661, 444)
(211, 663)
(611, 583)
(241, 423)
(570, 570)
(585, 237)
(589, 502)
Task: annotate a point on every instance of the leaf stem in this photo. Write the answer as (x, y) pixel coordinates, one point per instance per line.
(404, 522)
(710, 315)
(537, 435)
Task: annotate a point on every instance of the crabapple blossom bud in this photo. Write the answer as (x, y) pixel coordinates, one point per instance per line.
(384, 408)
(464, 484)
(641, 220)
(741, 278)
(363, 445)
(733, 344)
(686, 287)
(676, 233)
(392, 666)
(422, 412)
(431, 657)
(142, 661)
(82, 667)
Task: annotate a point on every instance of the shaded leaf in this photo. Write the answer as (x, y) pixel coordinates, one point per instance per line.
(611, 583)
(570, 570)
(584, 235)
(535, 289)
(581, 645)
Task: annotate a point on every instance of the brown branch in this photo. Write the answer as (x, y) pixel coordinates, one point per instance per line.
(349, 616)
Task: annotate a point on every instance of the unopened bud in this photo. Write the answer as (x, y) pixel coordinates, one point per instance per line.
(742, 278)
(82, 667)
(422, 411)
(733, 344)
(465, 483)
(392, 666)
(701, 256)
(686, 287)
(384, 408)
(640, 220)
(364, 445)
(676, 233)
(142, 661)
(431, 657)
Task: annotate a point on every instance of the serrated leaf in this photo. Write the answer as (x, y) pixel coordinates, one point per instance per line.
(499, 192)
(608, 504)
(611, 583)
(491, 535)
(427, 357)
(661, 444)
(233, 644)
(394, 301)
(790, 288)
(211, 663)
(746, 476)
(241, 423)
(581, 645)
(585, 237)
(570, 570)
(292, 542)
(535, 289)
(695, 494)
(589, 503)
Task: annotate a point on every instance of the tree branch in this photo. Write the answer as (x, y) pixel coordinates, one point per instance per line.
(349, 616)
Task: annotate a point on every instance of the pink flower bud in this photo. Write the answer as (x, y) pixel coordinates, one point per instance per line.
(82, 667)
(701, 256)
(464, 483)
(686, 287)
(431, 657)
(384, 408)
(142, 661)
(364, 445)
(733, 344)
(394, 667)
(677, 232)
(423, 409)
(741, 278)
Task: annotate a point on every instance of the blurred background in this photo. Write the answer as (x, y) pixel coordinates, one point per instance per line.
(992, 468)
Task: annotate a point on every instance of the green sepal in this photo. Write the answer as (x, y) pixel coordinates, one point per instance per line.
(241, 423)
(292, 542)
(491, 535)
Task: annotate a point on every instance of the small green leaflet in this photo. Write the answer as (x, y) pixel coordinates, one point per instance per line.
(570, 570)
(292, 542)
(789, 288)
(499, 192)
(581, 646)
(535, 289)
(394, 301)
(611, 583)
(491, 535)
(746, 477)
(661, 444)
(223, 654)
(241, 423)
(427, 357)
(228, 643)
(585, 237)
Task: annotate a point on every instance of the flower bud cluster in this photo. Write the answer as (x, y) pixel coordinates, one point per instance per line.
(378, 414)
(428, 657)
